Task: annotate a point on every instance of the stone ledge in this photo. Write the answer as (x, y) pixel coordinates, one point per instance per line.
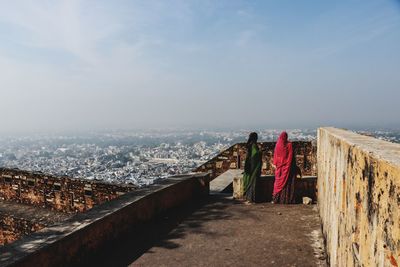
(380, 149)
(359, 198)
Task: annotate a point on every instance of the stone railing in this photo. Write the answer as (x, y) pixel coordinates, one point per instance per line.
(359, 198)
(59, 193)
(234, 158)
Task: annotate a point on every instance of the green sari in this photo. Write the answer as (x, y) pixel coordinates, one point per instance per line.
(252, 170)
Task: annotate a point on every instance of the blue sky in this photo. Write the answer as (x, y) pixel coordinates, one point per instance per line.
(74, 64)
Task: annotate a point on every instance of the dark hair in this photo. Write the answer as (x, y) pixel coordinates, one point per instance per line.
(252, 139)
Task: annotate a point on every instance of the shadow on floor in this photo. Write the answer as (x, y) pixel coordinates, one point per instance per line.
(162, 231)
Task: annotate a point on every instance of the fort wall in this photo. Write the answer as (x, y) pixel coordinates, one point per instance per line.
(359, 198)
(234, 158)
(59, 193)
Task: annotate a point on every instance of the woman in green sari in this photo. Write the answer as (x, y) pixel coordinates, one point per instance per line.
(252, 168)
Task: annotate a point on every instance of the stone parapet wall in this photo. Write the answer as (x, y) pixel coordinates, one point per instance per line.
(304, 187)
(359, 198)
(59, 193)
(234, 158)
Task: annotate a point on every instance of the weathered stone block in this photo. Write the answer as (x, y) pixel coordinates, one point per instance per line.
(238, 187)
(358, 198)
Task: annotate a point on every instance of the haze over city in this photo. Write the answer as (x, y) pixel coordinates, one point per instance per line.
(93, 65)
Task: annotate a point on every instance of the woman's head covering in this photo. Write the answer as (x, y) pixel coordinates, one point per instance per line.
(282, 144)
(283, 138)
(253, 137)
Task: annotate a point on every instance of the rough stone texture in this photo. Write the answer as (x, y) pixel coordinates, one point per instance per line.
(359, 198)
(73, 241)
(12, 228)
(228, 233)
(238, 187)
(234, 158)
(59, 193)
(307, 201)
(18, 220)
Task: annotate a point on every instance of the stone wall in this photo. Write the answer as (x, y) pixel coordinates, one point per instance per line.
(234, 158)
(304, 187)
(359, 198)
(59, 193)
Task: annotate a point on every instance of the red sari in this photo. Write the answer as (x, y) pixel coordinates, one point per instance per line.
(285, 171)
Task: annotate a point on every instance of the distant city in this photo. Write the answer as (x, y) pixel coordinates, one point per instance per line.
(139, 157)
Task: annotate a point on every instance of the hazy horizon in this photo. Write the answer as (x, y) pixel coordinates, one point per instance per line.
(74, 65)
(177, 130)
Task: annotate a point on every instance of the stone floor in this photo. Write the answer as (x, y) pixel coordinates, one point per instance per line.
(228, 233)
(224, 232)
(18, 220)
(32, 213)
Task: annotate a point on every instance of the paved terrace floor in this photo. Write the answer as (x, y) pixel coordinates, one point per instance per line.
(224, 232)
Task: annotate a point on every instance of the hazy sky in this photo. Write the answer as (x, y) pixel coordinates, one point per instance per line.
(68, 65)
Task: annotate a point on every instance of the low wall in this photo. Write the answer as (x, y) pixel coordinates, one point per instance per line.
(235, 156)
(59, 193)
(71, 242)
(304, 187)
(359, 198)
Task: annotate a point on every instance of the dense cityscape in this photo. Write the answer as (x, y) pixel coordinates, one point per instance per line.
(138, 157)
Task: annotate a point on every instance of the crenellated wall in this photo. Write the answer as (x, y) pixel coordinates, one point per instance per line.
(234, 158)
(59, 193)
(359, 198)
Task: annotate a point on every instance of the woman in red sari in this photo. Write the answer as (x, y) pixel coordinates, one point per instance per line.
(285, 171)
